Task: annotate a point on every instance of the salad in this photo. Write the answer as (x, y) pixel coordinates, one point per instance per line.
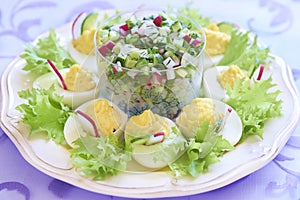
(153, 60)
(172, 121)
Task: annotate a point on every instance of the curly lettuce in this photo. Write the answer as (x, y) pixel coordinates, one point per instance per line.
(202, 151)
(44, 113)
(36, 55)
(101, 157)
(254, 104)
(244, 53)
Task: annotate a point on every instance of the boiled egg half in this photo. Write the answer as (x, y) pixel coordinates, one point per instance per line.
(82, 85)
(220, 115)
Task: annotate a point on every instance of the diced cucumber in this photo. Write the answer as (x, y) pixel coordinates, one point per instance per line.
(176, 27)
(157, 58)
(129, 63)
(89, 22)
(142, 63)
(140, 140)
(226, 27)
(134, 55)
(181, 72)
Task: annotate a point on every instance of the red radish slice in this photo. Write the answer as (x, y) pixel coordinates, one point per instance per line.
(261, 70)
(158, 134)
(90, 120)
(115, 69)
(110, 45)
(158, 20)
(74, 23)
(196, 42)
(155, 140)
(103, 50)
(187, 38)
(124, 27)
(123, 32)
(58, 74)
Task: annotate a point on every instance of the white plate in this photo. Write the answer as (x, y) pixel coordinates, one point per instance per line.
(245, 159)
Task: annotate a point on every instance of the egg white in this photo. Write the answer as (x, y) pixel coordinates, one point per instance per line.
(70, 98)
(147, 155)
(77, 126)
(232, 127)
(211, 86)
(211, 61)
(84, 60)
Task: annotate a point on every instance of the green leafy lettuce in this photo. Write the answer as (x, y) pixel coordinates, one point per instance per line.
(202, 151)
(101, 157)
(244, 53)
(36, 55)
(192, 13)
(255, 104)
(44, 112)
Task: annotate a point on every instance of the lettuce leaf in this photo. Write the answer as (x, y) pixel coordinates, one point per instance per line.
(192, 13)
(236, 47)
(44, 112)
(46, 48)
(202, 151)
(244, 53)
(100, 158)
(255, 104)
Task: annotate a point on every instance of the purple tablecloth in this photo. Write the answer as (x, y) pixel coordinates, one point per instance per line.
(277, 24)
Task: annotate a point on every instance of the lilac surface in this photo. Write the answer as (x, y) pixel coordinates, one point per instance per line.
(274, 21)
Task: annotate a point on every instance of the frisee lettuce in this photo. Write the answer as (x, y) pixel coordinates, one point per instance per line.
(254, 104)
(36, 55)
(192, 13)
(101, 157)
(244, 53)
(44, 112)
(202, 151)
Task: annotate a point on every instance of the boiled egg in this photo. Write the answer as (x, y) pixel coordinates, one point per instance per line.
(215, 80)
(154, 141)
(216, 43)
(98, 117)
(82, 85)
(221, 116)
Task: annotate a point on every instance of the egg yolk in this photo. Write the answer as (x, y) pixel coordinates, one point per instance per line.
(216, 41)
(85, 43)
(196, 112)
(79, 79)
(229, 76)
(107, 119)
(146, 123)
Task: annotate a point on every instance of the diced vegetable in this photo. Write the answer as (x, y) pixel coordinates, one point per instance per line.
(89, 22)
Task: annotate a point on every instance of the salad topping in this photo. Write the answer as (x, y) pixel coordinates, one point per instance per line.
(229, 76)
(108, 119)
(216, 41)
(79, 79)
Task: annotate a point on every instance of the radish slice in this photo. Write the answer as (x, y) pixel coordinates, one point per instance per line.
(91, 121)
(261, 70)
(155, 139)
(110, 45)
(158, 134)
(74, 23)
(124, 27)
(103, 50)
(196, 42)
(61, 79)
(158, 20)
(187, 38)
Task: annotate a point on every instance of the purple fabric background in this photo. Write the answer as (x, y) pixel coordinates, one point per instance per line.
(276, 23)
